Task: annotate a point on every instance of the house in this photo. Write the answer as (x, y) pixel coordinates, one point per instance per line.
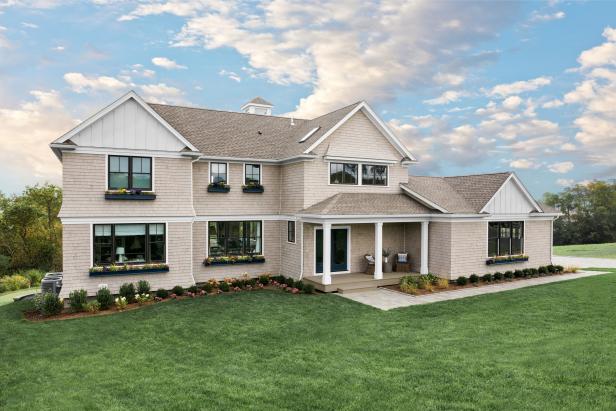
(180, 195)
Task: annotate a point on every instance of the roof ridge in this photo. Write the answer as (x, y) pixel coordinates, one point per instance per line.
(480, 174)
(226, 111)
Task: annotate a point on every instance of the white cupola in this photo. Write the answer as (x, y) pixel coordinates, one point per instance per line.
(258, 105)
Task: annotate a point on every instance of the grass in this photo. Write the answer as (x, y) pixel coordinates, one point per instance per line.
(7, 297)
(607, 250)
(549, 347)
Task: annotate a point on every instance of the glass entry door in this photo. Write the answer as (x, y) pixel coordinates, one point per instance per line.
(339, 251)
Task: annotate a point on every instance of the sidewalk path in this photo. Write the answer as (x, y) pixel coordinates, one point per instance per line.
(584, 262)
(386, 299)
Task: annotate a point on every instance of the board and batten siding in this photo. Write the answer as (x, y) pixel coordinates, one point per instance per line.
(128, 126)
(77, 260)
(509, 200)
(84, 181)
(236, 202)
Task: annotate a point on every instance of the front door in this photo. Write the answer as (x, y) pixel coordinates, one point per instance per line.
(339, 251)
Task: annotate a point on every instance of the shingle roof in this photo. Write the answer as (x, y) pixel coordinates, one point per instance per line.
(243, 135)
(259, 100)
(459, 194)
(367, 204)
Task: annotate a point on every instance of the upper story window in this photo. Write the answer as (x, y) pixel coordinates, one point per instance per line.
(130, 173)
(505, 238)
(342, 173)
(252, 174)
(218, 173)
(129, 243)
(291, 231)
(373, 175)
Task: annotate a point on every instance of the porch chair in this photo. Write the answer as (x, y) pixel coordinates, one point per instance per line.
(369, 264)
(403, 263)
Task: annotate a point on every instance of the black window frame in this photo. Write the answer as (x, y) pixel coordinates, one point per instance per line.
(147, 245)
(343, 170)
(503, 237)
(130, 173)
(291, 231)
(253, 166)
(226, 180)
(244, 240)
(373, 176)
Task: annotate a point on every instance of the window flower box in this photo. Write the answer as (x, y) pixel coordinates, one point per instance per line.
(253, 188)
(98, 271)
(509, 259)
(220, 187)
(239, 259)
(135, 194)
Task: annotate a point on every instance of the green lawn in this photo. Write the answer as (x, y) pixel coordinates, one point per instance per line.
(549, 347)
(607, 250)
(6, 298)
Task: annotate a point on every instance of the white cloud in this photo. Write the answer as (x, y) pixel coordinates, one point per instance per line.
(81, 83)
(58, 48)
(449, 79)
(561, 168)
(522, 163)
(537, 17)
(29, 25)
(166, 63)
(4, 42)
(231, 75)
(518, 87)
(568, 147)
(565, 182)
(446, 97)
(553, 103)
(511, 103)
(604, 54)
(161, 93)
(139, 70)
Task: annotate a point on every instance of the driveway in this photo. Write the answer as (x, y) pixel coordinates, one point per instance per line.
(584, 262)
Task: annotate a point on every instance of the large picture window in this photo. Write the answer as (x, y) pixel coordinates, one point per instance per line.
(235, 238)
(505, 238)
(373, 175)
(131, 173)
(218, 173)
(129, 243)
(342, 173)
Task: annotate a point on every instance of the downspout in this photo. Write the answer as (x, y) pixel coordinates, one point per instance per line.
(301, 248)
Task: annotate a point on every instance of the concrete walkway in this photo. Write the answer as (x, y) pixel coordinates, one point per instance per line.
(584, 262)
(386, 299)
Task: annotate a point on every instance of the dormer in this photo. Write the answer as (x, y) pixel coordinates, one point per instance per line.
(258, 105)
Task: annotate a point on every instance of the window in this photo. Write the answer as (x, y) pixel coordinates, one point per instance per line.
(342, 173)
(291, 231)
(129, 243)
(505, 238)
(252, 174)
(234, 238)
(373, 175)
(218, 173)
(129, 173)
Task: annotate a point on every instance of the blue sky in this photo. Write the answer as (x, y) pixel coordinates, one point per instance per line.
(469, 86)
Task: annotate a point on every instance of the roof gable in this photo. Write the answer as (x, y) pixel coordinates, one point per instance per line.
(127, 123)
(511, 198)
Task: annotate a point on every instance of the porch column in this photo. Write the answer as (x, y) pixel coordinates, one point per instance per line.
(378, 251)
(424, 248)
(327, 250)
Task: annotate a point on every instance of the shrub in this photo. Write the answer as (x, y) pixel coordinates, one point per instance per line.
(77, 299)
(425, 283)
(92, 307)
(264, 279)
(193, 289)
(551, 269)
(442, 283)
(127, 290)
(487, 278)
(224, 286)
(178, 290)
(308, 289)
(431, 278)
(508, 275)
(571, 269)
(121, 303)
(207, 287)
(142, 298)
(526, 272)
(236, 283)
(410, 288)
(289, 281)
(162, 293)
(498, 276)
(51, 304)
(104, 298)
(559, 269)
(14, 282)
(543, 270)
(143, 287)
(474, 279)
(461, 280)
(252, 282)
(518, 274)
(299, 285)
(533, 272)
(35, 277)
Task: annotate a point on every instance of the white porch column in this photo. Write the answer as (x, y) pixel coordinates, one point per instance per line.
(424, 248)
(327, 250)
(378, 251)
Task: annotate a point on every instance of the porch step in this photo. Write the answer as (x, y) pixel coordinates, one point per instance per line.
(359, 289)
(356, 281)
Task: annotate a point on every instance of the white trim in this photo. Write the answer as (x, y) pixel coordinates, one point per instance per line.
(244, 217)
(92, 245)
(124, 220)
(309, 134)
(113, 106)
(301, 249)
(260, 172)
(375, 120)
(256, 105)
(314, 249)
(360, 174)
(209, 171)
(222, 159)
(521, 186)
(294, 231)
(128, 152)
(369, 161)
(422, 199)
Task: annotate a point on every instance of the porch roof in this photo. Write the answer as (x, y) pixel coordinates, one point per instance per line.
(367, 204)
